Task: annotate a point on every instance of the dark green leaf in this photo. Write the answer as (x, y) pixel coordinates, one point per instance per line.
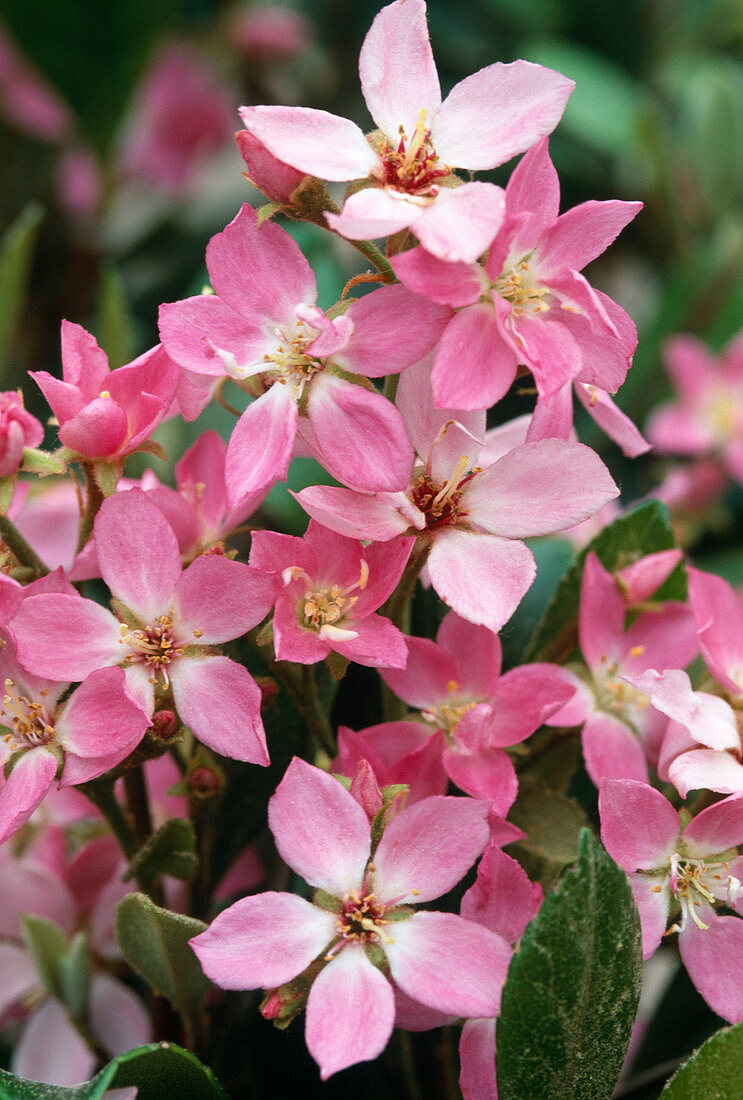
(169, 851)
(16, 253)
(643, 530)
(74, 976)
(572, 990)
(158, 1070)
(155, 944)
(715, 1072)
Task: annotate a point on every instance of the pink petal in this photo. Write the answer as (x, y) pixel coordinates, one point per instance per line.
(691, 366)
(482, 577)
(709, 955)
(477, 1058)
(127, 529)
(25, 788)
(261, 444)
(473, 367)
(552, 417)
(548, 348)
(716, 828)
(118, 1017)
(65, 637)
(584, 232)
(393, 328)
(534, 190)
(502, 898)
(498, 112)
(374, 212)
(639, 827)
(577, 486)
(84, 364)
(479, 670)
(319, 829)
(259, 270)
(378, 643)
(292, 640)
(355, 515)
(612, 420)
(263, 941)
(398, 74)
(461, 222)
(423, 682)
(361, 437)
(97, 431)
(100, 718)
(710, 719)
(428, 848)
(350, 1012)
(488, 774)
(29, 887)
(451, 284)
(653, 898)
(601, 616)
(315, 142)
(611, 750)
(19, 974)
(449, 963)
(220, 598)
(195, 330)
(221, 703)
(719, 616)
(51, 1048)
(705, 769)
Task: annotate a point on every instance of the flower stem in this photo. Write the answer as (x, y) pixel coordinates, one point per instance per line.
(93, 501)
(302, 686)
(20, 549)
(101, 793)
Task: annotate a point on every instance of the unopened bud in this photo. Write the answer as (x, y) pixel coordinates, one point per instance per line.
(204, 781)
(164, 725)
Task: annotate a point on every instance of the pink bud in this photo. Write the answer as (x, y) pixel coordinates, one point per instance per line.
(365, 789)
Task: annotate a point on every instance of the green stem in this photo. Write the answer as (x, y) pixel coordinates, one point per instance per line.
(390, 386)
(101, 794)
(20, 549)
(302, 686)
(397, 607)
(138, 804)
(374, 256)
(93, 501)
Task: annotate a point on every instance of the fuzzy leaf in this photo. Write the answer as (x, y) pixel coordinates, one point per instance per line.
(644, 530)
(155, 944)
(158, 1070)
(74, 976)
(552, 823)
(715, 1072)
(48, 946)
(573, 986)
(169, 851)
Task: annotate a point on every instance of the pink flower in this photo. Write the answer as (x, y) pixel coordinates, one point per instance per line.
(529, 304)
(397, 752)
(263, 329)
(686, 873)
(172, 619)
(270, 32)
(457, 684)
(484, 121)
(707, 417)
(470, 521)
(327, 589)
(18, 429)
(621, 731)
(104, 415)
(438, 959)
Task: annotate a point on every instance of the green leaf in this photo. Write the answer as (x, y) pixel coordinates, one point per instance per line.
(74, 976)
(114, 329)
(155, 944)
(572, 990)
(158, 1070)
(48, 946)
(715, 1072)
(552, 823)
(169, 851)
(643, 530)
(16, 253)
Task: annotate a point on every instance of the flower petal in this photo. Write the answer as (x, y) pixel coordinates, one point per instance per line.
(315, 142)
(221, 703)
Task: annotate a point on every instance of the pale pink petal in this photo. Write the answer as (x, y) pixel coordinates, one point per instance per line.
(374, 212)
(552, 417)
(601, 616)
(451, 284)
(526, 697)
(461, 222)
(498, 112)
(450, 963)
(477, 1058)
(639, 826)
(473, 367)
(716, 828)
(29, 887)
(705, 769)
(393, 328)
(477, 651)
(481, 577)
(24, 789)
(386, 564)
(710, 719)
(51, 1048)
(691, 365)
(127, 528)
(659, 639)
(584, 232)
(564, 483)
(118, 1017)
(350, 1012)
(221, 703)
(611, 750)
(653, 899)
(356, 515)
(100, 718)
(261, 444)
(315, 142)
(259, 270)
(710, 956)
(641, 579)
(502, 898)
(612, 420)
(413, 1016)
(360, 436)
(320, 831)
(428, 848)
(263, 941)
(221, 599)
(397, 70)
(19, 974)
(719, 616)
(673, 430)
